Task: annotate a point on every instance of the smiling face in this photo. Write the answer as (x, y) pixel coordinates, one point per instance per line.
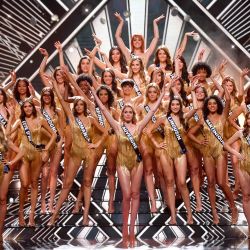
(202, 73)
(230, 86)
(59, 76)
(85, 65)
(200, 95)
(107, 78)
(22, 87)
(137, 42)
(152, 94)
(127, 114)
(116, 55)
(135, 66)
(79, 107)
(175, 107)
(177, 86)
(127, 89)
(84, 86)
(162, 56)
(103, 96)
(212, 106)
(46, 97)
(28, 109)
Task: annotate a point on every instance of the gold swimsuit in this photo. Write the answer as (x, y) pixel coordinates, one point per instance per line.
(245, 150)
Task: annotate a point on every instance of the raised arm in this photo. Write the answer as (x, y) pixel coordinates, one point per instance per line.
(217, 86)
(42, 67)
(58, 46)
(65, 106)
(222, 69)
(121, 44)
(113, 123)
(12, 82)
(149, 115)
(226, 109)
(236, 112)
(184, 41)
(154, 42)
(244, 72)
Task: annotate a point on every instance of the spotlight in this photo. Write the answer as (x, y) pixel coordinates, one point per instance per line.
(186, 18)
(196, 37)
(126, 14)
(31, 61)
(71, 49)
(86, 9)
(54, 18)
(233, 46)
(11, 200)
(102, 20)
(9, 16)
(174, 11)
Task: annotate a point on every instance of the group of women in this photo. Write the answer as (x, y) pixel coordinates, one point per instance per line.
(154, 121)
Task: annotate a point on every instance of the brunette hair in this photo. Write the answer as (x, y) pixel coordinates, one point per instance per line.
(85, 111)
(184, 72)
(15, 90)
(156, 71)
(219, 105)
(110, 94)
(169, 64)
(52, 103)
(23, 114)
(142, 72)
(79, 70)
(246, 129)
(114, 82)
(247, 99)
(5, 97)
(202, 65)
(123, 62)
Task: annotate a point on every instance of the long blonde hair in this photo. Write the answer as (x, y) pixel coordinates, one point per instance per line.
(3, 141)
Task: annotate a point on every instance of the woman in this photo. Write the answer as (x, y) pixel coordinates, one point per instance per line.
(151, 96)
(244, 157)
(128, 167)
(34, 152)
(53, 116)
(162, 60)
(194, 157)
(212, 123)
(137, 42)
(173, 154)
(82, 150)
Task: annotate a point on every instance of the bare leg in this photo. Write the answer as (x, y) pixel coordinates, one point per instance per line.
(181, 171)
(3, 202)
(136, 176)
(209, 164)
(124, 179)
(78, 203)
(221, 172)
(44, 185)
(111, 170)
(168, 173)
(69, 178)
(244, 179)
(54, 164)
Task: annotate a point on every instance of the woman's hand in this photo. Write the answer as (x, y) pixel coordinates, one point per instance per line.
(44, 52)
(118, 17)
(45, 155)
(244, 72)
(156, 20)
(204, 142)
(58, 46)
(13, 76)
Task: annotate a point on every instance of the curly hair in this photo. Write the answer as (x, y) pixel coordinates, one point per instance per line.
(123, 62)
(110, 94)
(169, 64)
(23, 114)
(84, 77)
(204, 66)
(114, 82)
(51, 93)
(15, 90)
(85, 110)
(128, 105)
(246, 128)
(205, 106)
(184, 72)
(180, 113)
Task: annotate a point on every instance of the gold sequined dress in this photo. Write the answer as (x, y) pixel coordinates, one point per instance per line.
(245, 150)
(30, 152)
(126, 155)
(213, 148)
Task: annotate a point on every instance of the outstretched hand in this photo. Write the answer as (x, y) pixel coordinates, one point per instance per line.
(58, 46)
(13, 76)
(118, 17)
(44, 52)
(245, 72)
(156, 20)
